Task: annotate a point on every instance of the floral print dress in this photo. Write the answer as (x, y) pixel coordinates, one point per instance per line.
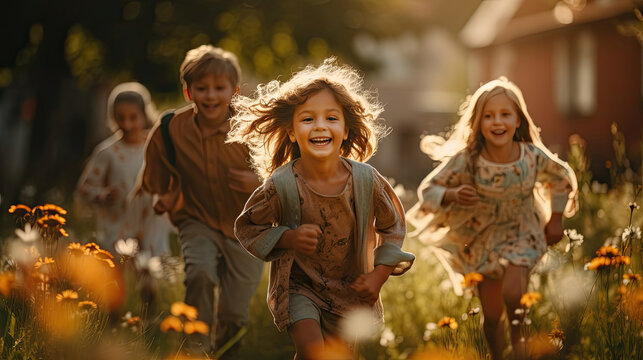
(506, 226)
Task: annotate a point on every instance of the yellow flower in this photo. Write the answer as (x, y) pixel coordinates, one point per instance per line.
(67, 295)
(180, 308)
(86, 305)
(529, 299)
(40, 263)
(631, 278)
(608, 251)
(171, 323)
(448, 322)
(197, 326)
(6, 281)
(556, 334)
(76, 249)
(51, 220)
(472, 279)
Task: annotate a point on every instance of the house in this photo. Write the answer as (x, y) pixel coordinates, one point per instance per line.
(579, 64)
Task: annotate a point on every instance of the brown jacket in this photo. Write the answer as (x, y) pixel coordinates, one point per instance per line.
(200, 177)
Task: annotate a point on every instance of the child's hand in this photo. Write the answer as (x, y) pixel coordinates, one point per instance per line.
(367, 286)
(554, 229)
(244, 181)
(163, 202)
(464, 195)
(304, 239)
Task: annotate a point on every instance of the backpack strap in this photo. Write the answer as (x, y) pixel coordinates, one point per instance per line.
(286, 186)
(363, 195)
(167, 139)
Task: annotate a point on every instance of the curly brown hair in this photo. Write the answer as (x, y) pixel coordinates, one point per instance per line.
(262, 121)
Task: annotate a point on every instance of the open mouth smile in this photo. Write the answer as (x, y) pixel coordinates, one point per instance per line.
(320, 141)
(499, 132)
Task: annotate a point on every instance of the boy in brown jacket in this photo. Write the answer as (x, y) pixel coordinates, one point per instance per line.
(204, 183)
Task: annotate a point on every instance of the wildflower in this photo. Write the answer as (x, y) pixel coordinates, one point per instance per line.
(43, 263)
(472, 279)
(474, 311)
(76, 249)
(358, 324)
(87, 305)
(67, 295)
(171, 323)
(448, 322)
(575, 239)
(51, 220)
(631, 278)
(180, 308)
(29, 234)
(6, 281)
(191, 327)
(127, 247)
(148, 264)
(50, 209)
(18, 208)
(387, 337)
(134, 320)
(633, 206)
(103, 254)
(63, 232)
(529, 299)
(608, 251)
(631, 231)
(556, 337)
(91, 247)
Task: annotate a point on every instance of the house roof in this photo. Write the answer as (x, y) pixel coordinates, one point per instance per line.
(501, 21)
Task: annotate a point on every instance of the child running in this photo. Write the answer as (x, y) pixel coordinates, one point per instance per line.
(111, 174)
(330, 224)
(498, 196)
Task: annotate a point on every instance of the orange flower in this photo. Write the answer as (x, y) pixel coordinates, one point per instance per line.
(63, 232)
(631, 278)
(529, 299)
(51, 220)
(86, 305)
(103, 254)
(91, 247)
(134, 320)
(20, 209)
(448, 322)
(76, 249)
(197, 326)
(180, 308)
(171, 323)
(6, 281)
(50, 209)
(608, 251)
(40, 263)
(472, 279)
(67, 295)
(556, 334)
(602, 262)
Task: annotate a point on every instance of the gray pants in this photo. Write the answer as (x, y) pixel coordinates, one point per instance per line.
(212, 259)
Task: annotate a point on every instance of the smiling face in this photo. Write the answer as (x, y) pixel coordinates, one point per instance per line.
(319, 126)
(499, 122)
(212, 94)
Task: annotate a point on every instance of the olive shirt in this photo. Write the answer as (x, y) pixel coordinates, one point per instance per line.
(201, 172)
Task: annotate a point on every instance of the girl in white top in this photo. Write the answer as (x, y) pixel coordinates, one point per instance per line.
(112, 171)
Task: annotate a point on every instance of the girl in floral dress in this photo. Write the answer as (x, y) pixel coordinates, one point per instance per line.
(495, 202)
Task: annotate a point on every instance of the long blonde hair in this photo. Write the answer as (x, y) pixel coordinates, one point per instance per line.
(467, 136)
(261, 122)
